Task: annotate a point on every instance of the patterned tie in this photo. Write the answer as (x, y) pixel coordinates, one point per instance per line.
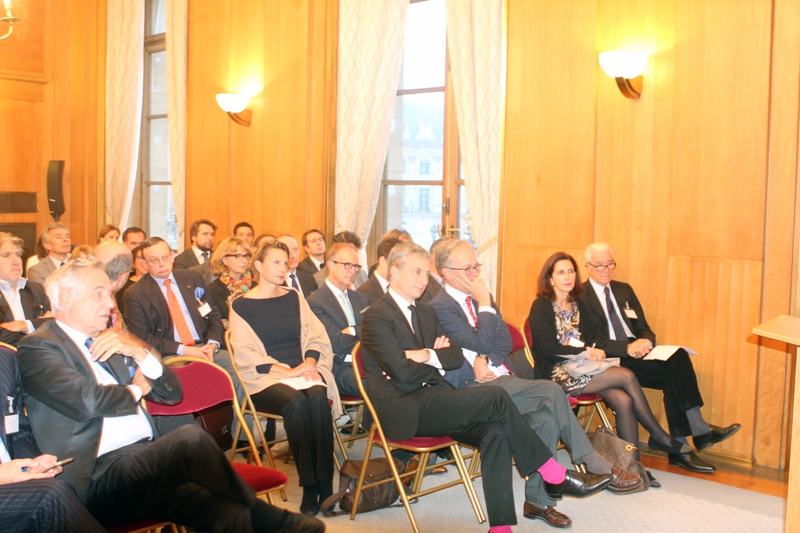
(616, 321)
(415, 325)
(348, 309)
(472, 313)
(177, 316)
(104, 365)
(204, 255)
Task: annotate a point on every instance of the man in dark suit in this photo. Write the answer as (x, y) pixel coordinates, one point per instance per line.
(340, 310)
(405, 356)
(314, 244)
(612, 309)
(56, 240)
(299, 280)
(30, 499)
(436, 282)
(23, 303)
(378, 284)
(201, 234)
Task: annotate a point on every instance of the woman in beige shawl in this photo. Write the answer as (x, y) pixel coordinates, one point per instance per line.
(285, 357)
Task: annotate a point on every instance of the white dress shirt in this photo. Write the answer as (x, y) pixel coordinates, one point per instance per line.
(601, 295)
(117, 431)
(403, 304)
(294, 275)
(198, 253)
(14, 300)
(184, 309)
(319, 264)
(336, 292)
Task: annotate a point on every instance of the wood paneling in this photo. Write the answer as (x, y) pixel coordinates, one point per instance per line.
(22, 54)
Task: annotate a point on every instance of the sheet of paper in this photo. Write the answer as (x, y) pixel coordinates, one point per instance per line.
(663, 352)
(301, 383)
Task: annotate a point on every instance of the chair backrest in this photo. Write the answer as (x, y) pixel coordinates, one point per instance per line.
(528, 340)
(517, 340)
(9, 347)
(360, 373)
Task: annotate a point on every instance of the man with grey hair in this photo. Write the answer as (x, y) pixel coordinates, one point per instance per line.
(56, 240)
(405, 356)
(436, 282)
(613, 310)
(83, 404)
(470, 317)
(24, 305)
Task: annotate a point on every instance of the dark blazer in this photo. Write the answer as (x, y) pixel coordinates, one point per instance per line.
(372, 288)
(205, 271)
(433, 288)
(385, 336)
(35, 303)
(186, 259)
(66, 406)
(307, 266)
(147, 313)
(490, 338)
(21, 444)
(546, 348)
(326, 306)
(41, 270)
(592, 312)
(307, 283)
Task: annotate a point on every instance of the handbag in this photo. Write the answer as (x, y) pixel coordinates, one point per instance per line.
(372, 497)
(619, 453)
(217, 421)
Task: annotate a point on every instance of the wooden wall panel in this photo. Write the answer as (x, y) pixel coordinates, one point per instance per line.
(22, 55)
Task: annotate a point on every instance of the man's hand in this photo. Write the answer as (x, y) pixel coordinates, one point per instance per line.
(15, 325)
(347, 331)
(477, 289)
(140, 381)
(11, 472)
(46, 465)
(481, 369)
(639, 348)
(110, 342)
(203, 352)
(595, 354)
(418, 356)
(441, 342)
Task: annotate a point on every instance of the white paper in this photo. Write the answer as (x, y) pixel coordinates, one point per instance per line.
(11, 424)
(301, 383)
(663, 352)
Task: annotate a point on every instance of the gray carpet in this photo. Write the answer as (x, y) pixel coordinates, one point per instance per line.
(683, 505)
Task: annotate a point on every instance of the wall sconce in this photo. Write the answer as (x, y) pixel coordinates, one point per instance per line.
(8, 19)
(626, 68)
(235, 105)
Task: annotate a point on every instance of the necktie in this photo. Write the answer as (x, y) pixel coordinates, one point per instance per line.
(177, 316)
(415, 325)
(294, 282)
(204, 255)
(348, 309)
(472, 312)
(616, 321)
(104, 365)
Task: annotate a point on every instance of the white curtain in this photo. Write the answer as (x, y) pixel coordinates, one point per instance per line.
(124, 86)
(177, 21)
(370, 56)
(477, 46)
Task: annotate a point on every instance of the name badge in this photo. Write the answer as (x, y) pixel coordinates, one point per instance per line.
(204, 309)
(575, 343)
(11, 424)
(630, 313)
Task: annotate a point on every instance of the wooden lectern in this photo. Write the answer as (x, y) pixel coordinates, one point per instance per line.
(786, 328)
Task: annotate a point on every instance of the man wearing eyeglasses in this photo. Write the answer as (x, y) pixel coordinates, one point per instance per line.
(612, 309)
(340, 310)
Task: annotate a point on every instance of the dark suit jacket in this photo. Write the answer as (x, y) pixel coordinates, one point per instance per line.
(307, 283)
(307, 266)
(385, 336)
(205, 271)
(433, 288)
(20, 444)
(490, 338)
(147, 313)
(372, 288)
(326, 306)
(35, 303)
(594, 316)
(41, 270)
(66, 406)
(186, 259)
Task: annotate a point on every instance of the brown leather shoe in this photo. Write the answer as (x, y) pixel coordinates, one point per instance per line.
(548, 514)
(413, 464)
(623, 480)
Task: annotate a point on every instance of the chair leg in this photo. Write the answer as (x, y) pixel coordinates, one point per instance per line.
(338, 438)
(401, 487)
(356, 423)
(423, 466)
(604, 417)
(466, 480)
(590, 417)
(363, 473)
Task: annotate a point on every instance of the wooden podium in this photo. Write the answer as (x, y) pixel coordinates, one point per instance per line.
(786, 328)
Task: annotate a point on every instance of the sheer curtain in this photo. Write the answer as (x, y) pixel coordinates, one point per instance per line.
(477, 45)
(370, 56)
(177, 22)
(124, 87)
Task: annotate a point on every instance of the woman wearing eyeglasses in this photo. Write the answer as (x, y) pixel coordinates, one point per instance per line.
(229, 264)
(564, 351)
(285, 358)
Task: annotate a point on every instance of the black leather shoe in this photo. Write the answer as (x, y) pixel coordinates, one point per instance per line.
(309, 506)
(349, 431)
(675, 446)
(578, 485)
(298, 523)
(549, 514)
(691, 462)
(715, 436)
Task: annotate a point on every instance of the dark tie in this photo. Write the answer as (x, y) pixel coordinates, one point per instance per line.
(294, 282)
(616, 321)
(104, 365)
(205, 256)
(415, 325)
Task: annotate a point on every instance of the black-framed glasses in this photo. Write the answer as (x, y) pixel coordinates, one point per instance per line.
(476, 268)
(348, 266)
(600, 267)
(239, 257)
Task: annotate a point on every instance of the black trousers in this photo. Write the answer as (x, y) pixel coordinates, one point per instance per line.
(182, 477)
(44, 506)
(676, 377)
(487, 419)
(309, 427)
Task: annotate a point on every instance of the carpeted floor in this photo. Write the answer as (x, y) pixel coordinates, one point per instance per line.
(683, 504)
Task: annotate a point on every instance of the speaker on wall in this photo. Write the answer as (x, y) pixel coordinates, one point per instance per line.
(55, 194)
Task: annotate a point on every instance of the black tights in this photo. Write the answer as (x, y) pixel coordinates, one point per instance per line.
(620, 389)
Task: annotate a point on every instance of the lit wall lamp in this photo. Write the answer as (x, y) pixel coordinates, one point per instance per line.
(236, 107)
(626, 68)
(8, 19)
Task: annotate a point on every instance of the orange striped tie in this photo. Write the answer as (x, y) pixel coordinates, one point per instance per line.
(177, 316)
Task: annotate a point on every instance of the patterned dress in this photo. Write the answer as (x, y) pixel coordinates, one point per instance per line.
(567, 323)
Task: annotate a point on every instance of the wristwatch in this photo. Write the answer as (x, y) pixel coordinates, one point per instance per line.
(482, 356)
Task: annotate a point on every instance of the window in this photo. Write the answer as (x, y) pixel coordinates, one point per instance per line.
(421, 186)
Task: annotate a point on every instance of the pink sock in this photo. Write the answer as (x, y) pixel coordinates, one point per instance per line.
(500, 529)
(552, 472)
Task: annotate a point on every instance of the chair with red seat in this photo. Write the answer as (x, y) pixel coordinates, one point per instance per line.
(206, 384)
(423, 446)
(590, 401)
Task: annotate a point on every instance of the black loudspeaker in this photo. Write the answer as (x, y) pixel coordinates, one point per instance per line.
(55, 194)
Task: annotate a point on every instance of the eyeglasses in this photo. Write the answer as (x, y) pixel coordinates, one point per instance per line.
(239, 257)
(348, 266)
(156, 260)
(476, 268)
(611, 265)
